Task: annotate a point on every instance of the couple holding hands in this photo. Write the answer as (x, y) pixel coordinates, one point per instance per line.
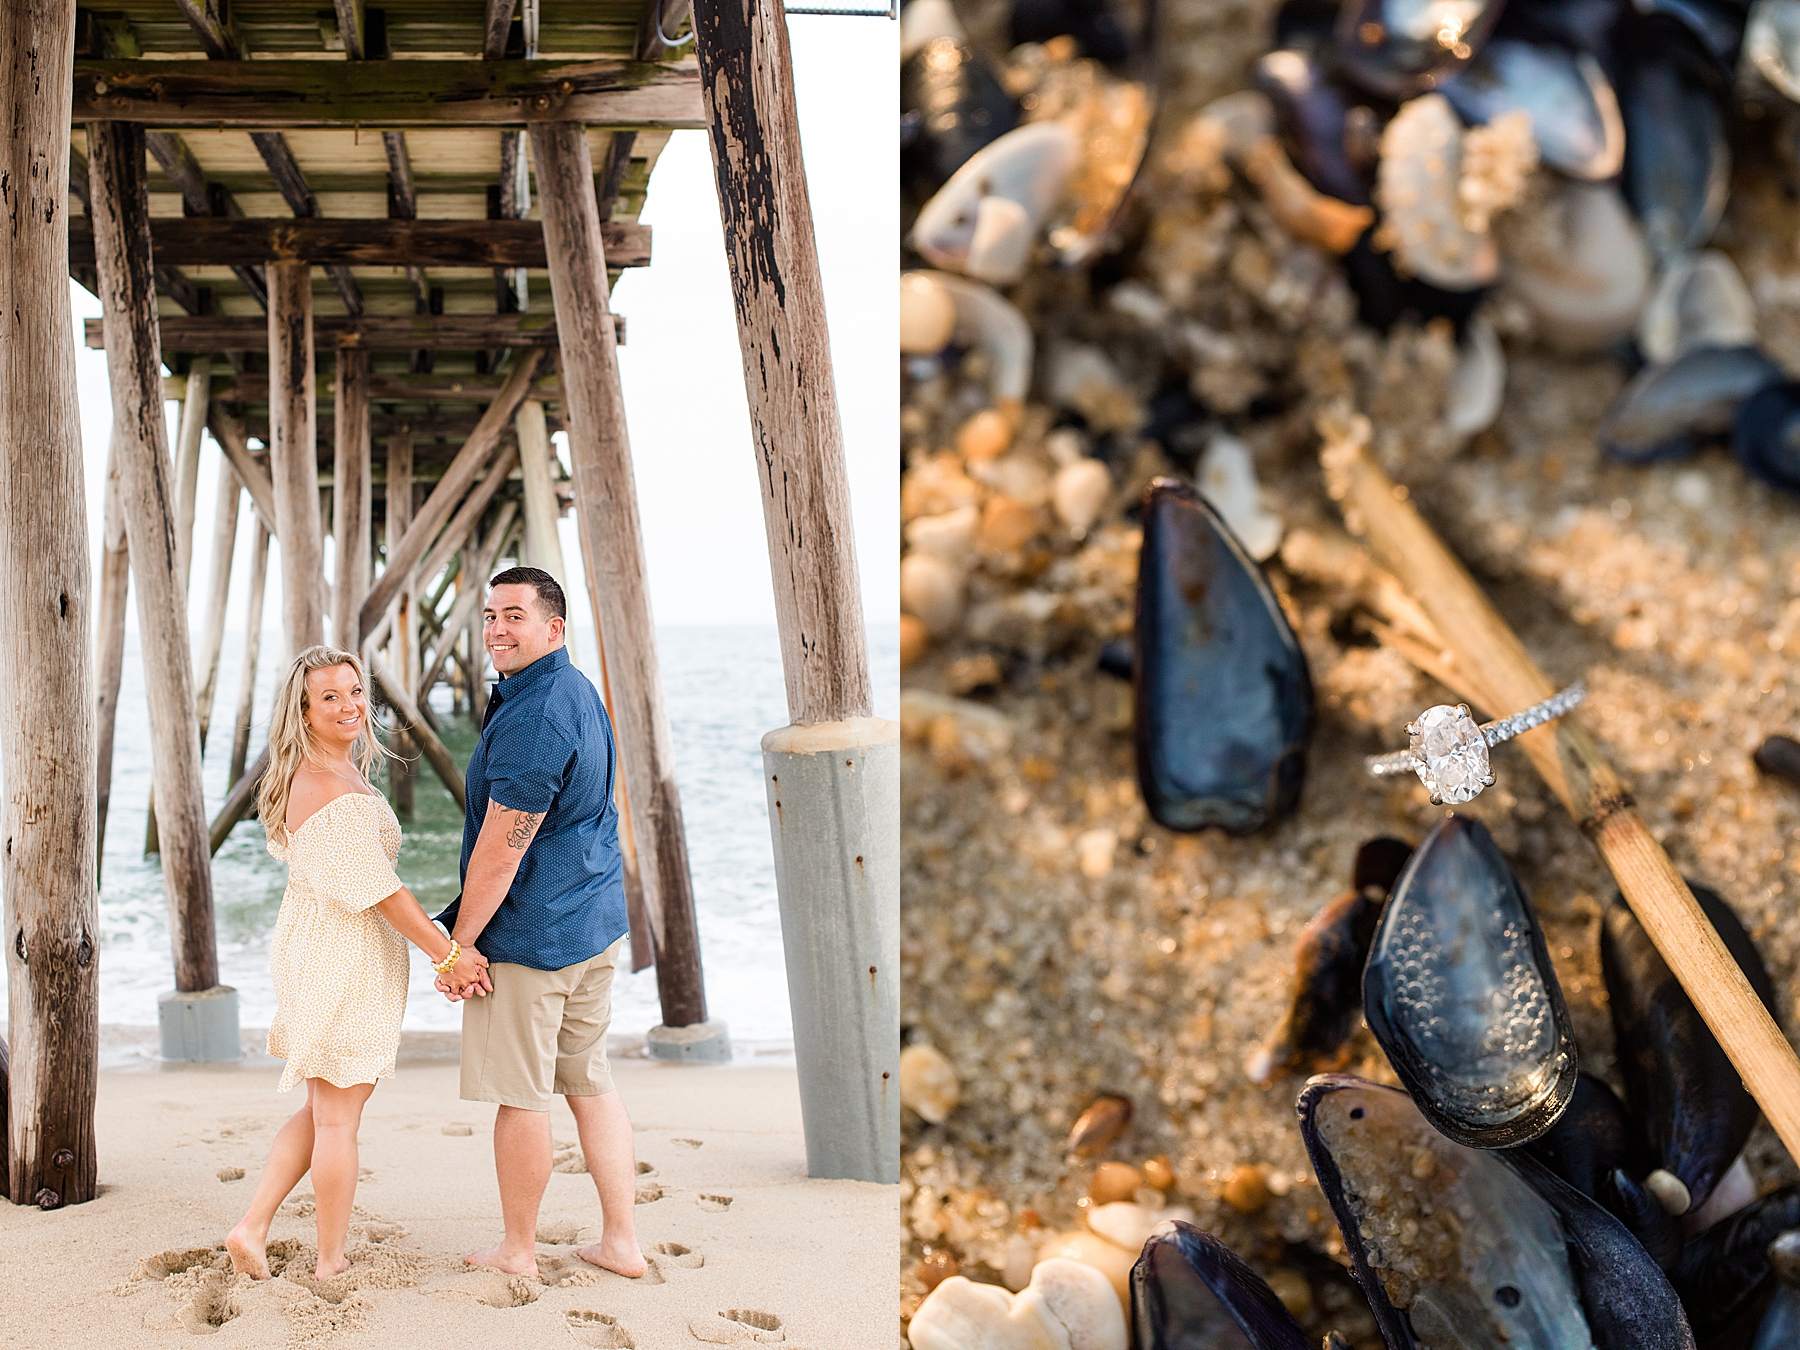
(529, 947)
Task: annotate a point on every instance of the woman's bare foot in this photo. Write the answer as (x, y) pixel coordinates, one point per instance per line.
(249, 1253)
(499, 1258)
(326, 1269)
(622, 1258)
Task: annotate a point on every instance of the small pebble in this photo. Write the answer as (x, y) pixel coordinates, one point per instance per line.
(1114, 1181)
(459, 1129)
(928, 1083)
(1159, 1173)
(1099, 1125)
(1246, 1189)
(984, 436)
(950, 534)
(971, 673)
(231, 1174)
(1094, 852)
(915, 639)
(937, 1267)
(1078, 492)
(927, 314)
(932, 589)
(1007, 524)
(1291, 1288)
(1780, 756)
(1110, 1259)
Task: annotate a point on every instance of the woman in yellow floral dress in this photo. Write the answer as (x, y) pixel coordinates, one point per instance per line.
(339, 951)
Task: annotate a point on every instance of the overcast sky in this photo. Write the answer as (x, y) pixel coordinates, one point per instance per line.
(683, 376)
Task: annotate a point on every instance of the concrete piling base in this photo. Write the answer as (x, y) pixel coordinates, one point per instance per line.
(834, 812)
(702, 1043)
(200, 1027)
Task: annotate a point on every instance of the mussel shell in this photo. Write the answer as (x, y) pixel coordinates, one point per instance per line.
(1772, 45)
(1311, 113)
(1460, 993)
(1224, 699)
(1579, 25)
(1092, 23)
(1400, 48)
(1450, 1246)
(1677, 161)
(1189, 1291)
(1666, 411)
(1593, 1136)
(1574, 112)
(1722, 1269)
(1657, 1231)
(1779, 1328)
(1384, 298)
(1715, 27)
(1682, 1090)
(951, 104)
(1766, 434)
(1379, 863)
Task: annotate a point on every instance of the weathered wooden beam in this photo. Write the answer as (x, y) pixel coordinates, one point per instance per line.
(352, 494)
(239, 802)
(375, 332)
(403, 628)
(211, 22)
(352, 27)
(269, 95)
(294, 455)
(497, 29)
(218, 593)
(455, 424)
(122, 220)
(384, 387)
(403, 204)
(233, 440)
(542, 547)
(52, 930)
(476, 573)
(657, 20)
(292, 185)
(462, 525)
(187, 463)
(418, 726)
(404, 554)
(201, 241)
(259, 583)
(198, 198)
(109, 645)
(605, 492)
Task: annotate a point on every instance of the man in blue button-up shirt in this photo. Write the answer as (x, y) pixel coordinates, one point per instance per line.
(543, 899)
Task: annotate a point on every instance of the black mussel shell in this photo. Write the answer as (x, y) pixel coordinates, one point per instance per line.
(1780, 755)
(1591, 1138)
(1766, 435)
(1224, 700)
(1683, 1092)
(1677, 161)
(1312, 113)
(1452, 1247)
(951, 104)
(1666, 411)
(1401, 48)
(1628, 1300)
(1189, 1291)
(1715, 28)
(1780, 1325)
(1092, 23)
(1460, 992)
(1574, 112)
(1384, 298)
(1579, 25)
(1328, 965)
(1115, 659)
(1725, 1267)
(1657, 1230)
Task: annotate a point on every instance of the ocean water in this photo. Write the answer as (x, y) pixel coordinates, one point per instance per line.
(724, 689)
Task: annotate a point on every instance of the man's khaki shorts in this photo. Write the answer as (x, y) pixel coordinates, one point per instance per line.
(541, 1033)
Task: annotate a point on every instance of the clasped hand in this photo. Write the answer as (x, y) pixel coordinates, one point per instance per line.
(468, 978)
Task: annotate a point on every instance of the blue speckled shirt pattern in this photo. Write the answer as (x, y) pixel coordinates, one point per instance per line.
(547, 746)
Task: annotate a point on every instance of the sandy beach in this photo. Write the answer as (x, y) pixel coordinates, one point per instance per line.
(743, 1247)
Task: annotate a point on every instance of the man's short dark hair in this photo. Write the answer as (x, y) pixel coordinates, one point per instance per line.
(551, 600)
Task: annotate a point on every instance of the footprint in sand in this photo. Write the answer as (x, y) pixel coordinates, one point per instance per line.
(685, 1143)
(179, 1260)
(569, 1158)
(598, 1329)
(559, 1233)
(456, 1127)
(211, 1306)
(231, 1174)
(680, 1255)
(714, 1204)
(571, 1272)
(649, 1193)
(736, 1325)
(644, 1167)
(498, 1290)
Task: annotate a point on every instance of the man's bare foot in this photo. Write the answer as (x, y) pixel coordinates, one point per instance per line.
(622, 1258)
(326, 1269)
(499, 1258)
(249, 1253)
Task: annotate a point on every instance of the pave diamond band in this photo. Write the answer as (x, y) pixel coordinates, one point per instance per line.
(1449, 751)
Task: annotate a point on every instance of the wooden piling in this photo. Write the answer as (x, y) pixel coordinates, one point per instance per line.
(46, 734)
(542, 547)
(403, 773)
(187, 461)
(463, 610)
(253, 624)
(218, 593)
(351, 497)
(606, 493)
(293, 454)
(109, 647)
(133, 360)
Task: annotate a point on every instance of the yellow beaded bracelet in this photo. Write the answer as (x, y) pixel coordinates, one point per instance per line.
(443, 967)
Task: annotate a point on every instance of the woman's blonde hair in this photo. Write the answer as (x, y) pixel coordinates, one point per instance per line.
(291, 741)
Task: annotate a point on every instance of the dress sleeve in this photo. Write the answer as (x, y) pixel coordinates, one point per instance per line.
(526, 766)
(347, 863)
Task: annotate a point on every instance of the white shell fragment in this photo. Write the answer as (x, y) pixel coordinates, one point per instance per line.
(1129, 1225)
(928, 1083)
(1700, 301)
(1669, 1190)
(931, 590)
(983, 319)
(1067, 1306)
(1079, 492)
(1772, 44)
(1418, 190)
(1581, 266)
(1478, 384)
(1027, 167)
(1226, 477)
(924, 21)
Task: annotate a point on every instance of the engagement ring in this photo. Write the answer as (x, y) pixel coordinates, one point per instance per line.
(1449, 751)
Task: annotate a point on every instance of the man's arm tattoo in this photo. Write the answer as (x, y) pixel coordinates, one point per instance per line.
(518, 837)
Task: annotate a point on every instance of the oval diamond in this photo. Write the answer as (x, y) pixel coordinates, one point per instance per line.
(1450, 754)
